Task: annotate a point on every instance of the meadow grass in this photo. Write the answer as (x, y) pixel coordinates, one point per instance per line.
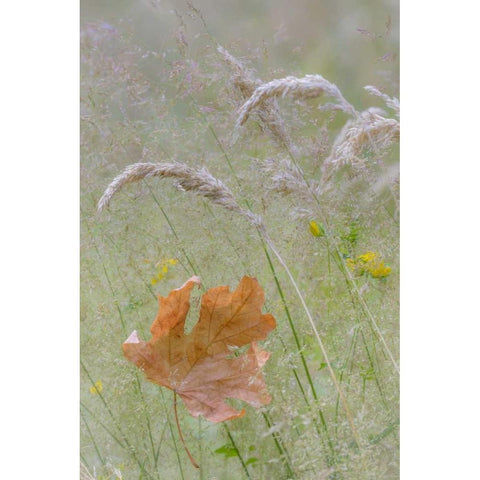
(199, 167)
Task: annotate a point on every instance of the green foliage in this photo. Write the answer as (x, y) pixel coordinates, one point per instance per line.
(227, 451)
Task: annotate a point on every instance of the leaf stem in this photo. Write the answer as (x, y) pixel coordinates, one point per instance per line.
(172, 435)
(194, 463)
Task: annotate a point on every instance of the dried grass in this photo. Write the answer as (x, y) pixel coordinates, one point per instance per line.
(287, 178)
(390, 102)
(368, 132)
(243, 78)
(245, 82)
(85, 474)
(310, 86)
(200, 182)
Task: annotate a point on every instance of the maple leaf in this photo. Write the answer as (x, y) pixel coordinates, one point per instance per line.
(201, 367)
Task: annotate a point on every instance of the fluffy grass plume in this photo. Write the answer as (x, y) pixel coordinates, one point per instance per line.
(369, 131)
(310, 86)
(200, 182)
(246, 83)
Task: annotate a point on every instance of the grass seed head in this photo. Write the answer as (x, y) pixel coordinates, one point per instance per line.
(201, 182)
(310, 86)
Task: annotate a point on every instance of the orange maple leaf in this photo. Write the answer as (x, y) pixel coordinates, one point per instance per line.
(201, 367)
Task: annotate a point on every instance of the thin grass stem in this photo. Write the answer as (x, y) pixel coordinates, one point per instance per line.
(237, 451)
(130, 447)
(99, 455)
(97, 420)
(317, 336)
(280, 447)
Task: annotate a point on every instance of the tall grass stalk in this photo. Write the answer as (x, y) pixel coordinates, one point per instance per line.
(317, 336)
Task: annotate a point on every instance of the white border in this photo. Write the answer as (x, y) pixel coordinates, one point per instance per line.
(439, 259)
(40, 240)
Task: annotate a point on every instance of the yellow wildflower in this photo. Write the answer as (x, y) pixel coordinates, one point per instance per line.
(380, 270)
(162, 269)
(96, 388)
(367, 257)
(370, 263)
(316, 230)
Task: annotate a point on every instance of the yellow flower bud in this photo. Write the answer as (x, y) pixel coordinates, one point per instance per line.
(316, 230)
